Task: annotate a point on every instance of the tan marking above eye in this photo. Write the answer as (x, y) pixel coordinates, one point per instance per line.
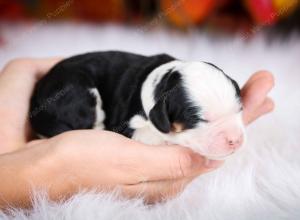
(177, 127)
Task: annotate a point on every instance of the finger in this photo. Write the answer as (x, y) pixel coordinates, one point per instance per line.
(255, 91)
(140, 162)
(45, 64)
(16, 73)
(267, 107)
(34, 142)
(171, 162)
(257, 87)
(263, 74)
(156, 191)
(16, 84)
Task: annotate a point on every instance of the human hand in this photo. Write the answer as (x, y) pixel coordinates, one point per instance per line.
(254, 96)
(17, 80)
(103, 160)
(156, 172)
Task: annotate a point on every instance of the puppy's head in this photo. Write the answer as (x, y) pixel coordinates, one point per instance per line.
(195, 104)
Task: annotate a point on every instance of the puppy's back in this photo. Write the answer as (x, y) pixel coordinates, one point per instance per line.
(61, 101)
(67, 98)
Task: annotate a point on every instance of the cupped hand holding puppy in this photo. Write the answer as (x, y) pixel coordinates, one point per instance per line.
(93, 159)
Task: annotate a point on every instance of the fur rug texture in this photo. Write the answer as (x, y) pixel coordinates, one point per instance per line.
(262, 181)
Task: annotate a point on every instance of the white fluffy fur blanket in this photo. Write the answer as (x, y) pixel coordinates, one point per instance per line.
(260, 182)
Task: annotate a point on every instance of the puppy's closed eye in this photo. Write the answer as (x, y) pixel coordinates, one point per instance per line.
(204, 120)
(177, 127)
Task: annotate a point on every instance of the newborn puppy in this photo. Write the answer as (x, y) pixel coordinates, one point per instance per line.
(153, 99)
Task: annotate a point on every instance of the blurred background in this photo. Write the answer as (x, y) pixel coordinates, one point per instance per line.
(220, 31)
(220, 15)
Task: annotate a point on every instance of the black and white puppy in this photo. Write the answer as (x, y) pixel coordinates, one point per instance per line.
(153, 99)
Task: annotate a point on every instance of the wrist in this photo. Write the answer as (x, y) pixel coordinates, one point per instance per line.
(19, 174)
(49, 171)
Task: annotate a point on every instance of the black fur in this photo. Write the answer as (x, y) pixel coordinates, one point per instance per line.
(172, 104)
(118, 76)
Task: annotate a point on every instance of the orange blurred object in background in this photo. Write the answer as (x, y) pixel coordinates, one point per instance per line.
(268, 12)
(92, 10)
(180, 13)
(11, 10)
(100, 10)
(183, 13)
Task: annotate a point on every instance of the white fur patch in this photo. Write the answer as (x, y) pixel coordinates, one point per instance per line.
(210, 88)
(147, 135)
(145, 131)
(138, 121)
(41, 136)
(100, 115)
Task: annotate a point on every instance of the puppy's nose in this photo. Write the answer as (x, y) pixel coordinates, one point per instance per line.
(235, 142)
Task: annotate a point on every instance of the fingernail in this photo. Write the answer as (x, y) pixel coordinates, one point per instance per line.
(213, 163)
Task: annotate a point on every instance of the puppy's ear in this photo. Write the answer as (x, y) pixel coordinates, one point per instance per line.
(159, 116)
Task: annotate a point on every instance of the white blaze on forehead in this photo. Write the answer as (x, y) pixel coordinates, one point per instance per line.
(151, 82)
(210, 88)
(205, 85)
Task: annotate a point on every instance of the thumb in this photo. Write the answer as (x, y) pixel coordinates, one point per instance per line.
(174, 162)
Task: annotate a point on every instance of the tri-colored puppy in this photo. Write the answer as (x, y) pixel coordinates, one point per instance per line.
(152, 99)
